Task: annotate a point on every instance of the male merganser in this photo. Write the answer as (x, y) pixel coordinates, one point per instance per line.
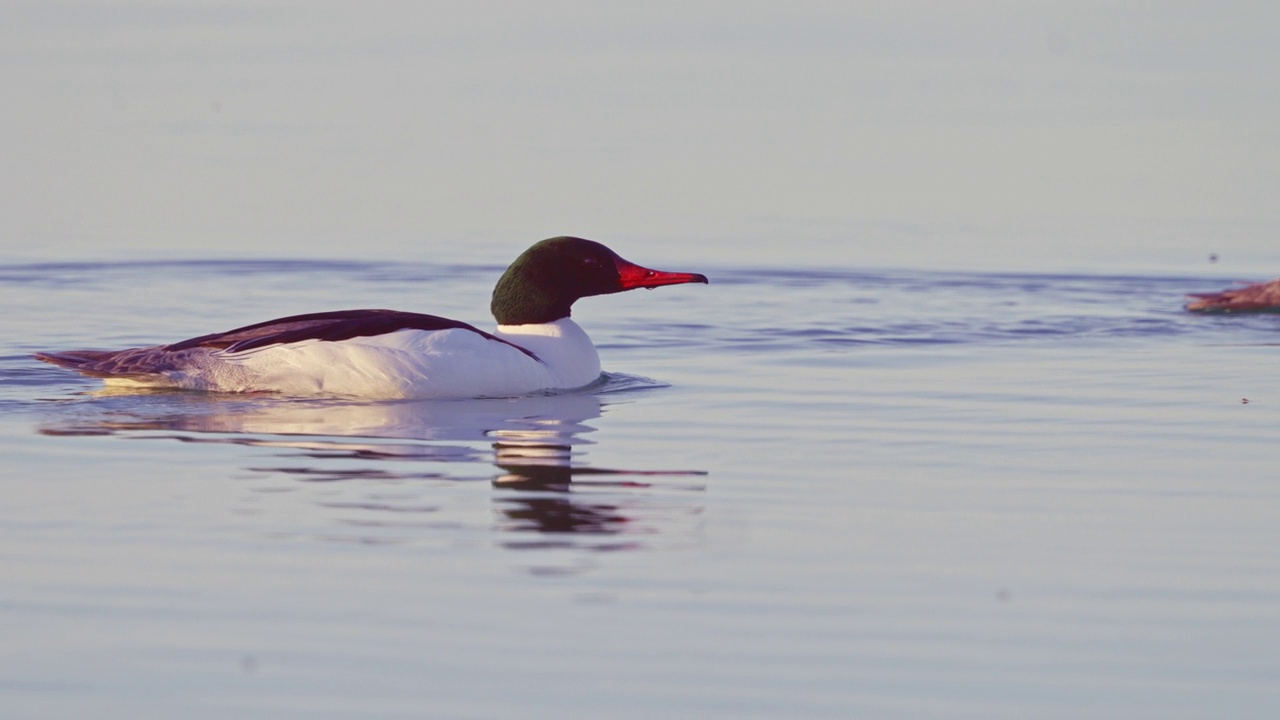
(390, 354)
(1257, 297)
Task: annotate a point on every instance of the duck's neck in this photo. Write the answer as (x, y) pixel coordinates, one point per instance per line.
(519, 299)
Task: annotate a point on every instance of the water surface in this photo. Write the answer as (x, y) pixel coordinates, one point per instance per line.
(798, 492)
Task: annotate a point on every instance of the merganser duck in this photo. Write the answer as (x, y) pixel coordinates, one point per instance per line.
(387, 354)
(1257, 297)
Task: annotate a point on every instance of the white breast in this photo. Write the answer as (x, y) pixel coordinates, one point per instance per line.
(562, 346)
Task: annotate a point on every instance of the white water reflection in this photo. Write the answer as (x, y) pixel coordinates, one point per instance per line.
(389, 470)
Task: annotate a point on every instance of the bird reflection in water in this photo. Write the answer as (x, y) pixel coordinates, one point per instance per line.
(547, 494)
(393, 458)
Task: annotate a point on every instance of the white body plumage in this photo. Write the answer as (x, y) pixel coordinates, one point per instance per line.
(421, 364)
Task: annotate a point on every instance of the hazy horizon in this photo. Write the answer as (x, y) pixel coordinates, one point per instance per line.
(868, 133)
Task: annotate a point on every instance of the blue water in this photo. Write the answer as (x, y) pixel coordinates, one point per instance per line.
(799, 492)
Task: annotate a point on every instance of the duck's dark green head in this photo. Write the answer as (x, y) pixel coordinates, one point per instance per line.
(543, 283)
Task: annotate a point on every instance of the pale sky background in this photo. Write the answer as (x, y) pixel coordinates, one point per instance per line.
(1042, 134)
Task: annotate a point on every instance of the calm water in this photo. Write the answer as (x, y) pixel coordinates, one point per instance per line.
(799, 493)
(811, 489)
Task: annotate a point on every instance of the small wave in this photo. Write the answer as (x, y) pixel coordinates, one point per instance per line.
(833, 309)
(622, 382)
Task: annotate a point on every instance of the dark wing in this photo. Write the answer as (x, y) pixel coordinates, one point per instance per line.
(328, 326)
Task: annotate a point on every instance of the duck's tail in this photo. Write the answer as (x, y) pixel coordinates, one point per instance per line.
(134, 363)
(82, 361)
